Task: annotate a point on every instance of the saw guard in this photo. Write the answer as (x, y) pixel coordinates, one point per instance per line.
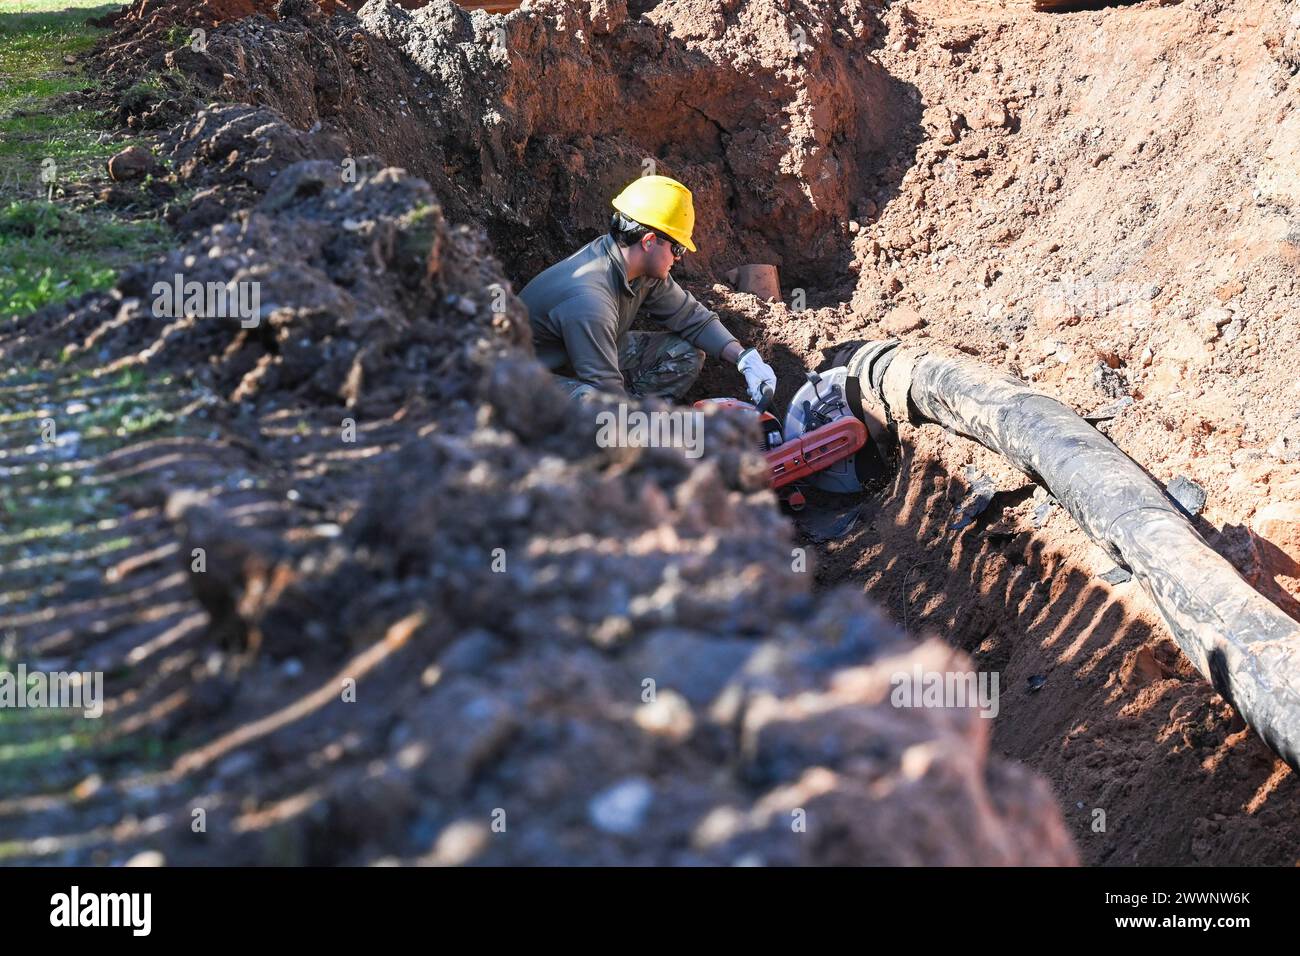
(873, 463)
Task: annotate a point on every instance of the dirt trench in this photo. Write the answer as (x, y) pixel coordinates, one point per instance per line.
(635, 564)
(549, 651)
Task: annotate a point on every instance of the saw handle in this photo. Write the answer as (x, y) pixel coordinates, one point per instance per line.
(765, 402)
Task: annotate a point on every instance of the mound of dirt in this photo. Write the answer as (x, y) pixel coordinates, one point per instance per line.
(146, 27)
(168, 13)
(230, 156)
(618, 663)
(359, 296)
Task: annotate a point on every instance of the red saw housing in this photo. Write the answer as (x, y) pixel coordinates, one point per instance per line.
(790, 461)
(815, 450)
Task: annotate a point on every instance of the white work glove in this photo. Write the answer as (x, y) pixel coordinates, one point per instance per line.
(759, 376)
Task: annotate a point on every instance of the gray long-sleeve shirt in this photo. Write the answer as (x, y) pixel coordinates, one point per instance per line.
(582, 307)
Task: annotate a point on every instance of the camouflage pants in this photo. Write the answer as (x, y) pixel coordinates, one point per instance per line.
(662, 364)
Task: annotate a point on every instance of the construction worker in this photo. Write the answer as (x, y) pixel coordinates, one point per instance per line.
(581, 307)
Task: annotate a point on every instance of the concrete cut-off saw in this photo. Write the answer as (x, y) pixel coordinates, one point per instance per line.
(835, 436)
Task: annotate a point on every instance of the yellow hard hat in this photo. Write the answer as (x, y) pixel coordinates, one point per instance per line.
(661, 204)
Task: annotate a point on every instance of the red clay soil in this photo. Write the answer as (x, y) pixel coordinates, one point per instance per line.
(189, 12)
(1132, 237)
(1101, 202)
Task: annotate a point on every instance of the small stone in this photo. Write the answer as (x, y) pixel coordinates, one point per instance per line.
(668, 715)
(1116, 575)
(88, 787)
(1188, 495)
(621, 809)
(902, 320)
(134, 162)
(1211, 321)
(1229, 289)
(1275, 529)
(460, 843)
(992, 116)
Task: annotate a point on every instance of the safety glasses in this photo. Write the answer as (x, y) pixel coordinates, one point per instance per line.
(679, 250)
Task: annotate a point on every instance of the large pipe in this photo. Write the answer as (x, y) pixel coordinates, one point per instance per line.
(1246, 646)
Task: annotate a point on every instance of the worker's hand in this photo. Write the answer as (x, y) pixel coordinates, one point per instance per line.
(759, 376)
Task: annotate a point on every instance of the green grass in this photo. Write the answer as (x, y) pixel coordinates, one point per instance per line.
(58, 516)
(50, 251)
(35, 35)
(39, 736)
(37, 88)
(75, 139)
(34, 39)
(59, 522)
